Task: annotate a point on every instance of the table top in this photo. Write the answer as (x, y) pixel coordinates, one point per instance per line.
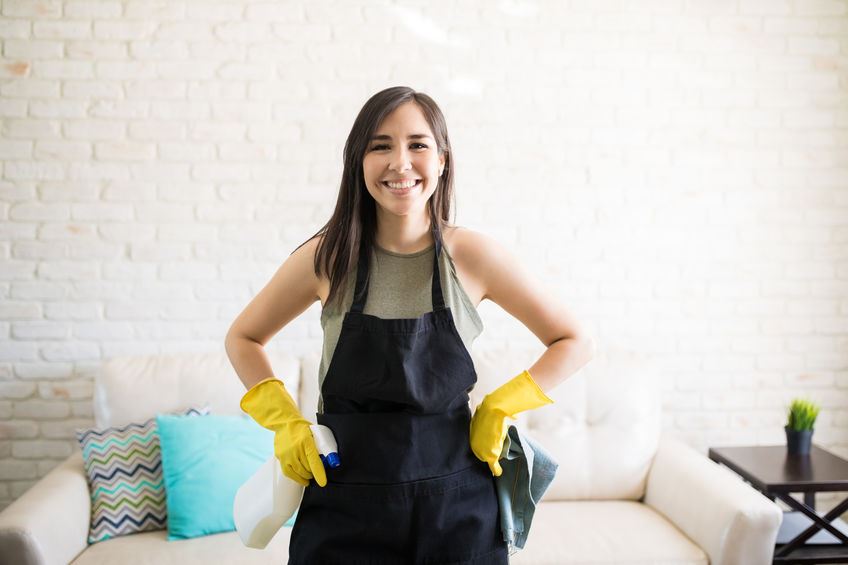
(770, 467)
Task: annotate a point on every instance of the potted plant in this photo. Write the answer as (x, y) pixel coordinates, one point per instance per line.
(799, 427)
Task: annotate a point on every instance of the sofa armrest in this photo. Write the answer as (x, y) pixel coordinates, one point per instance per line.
(730, 520)
(49, 522)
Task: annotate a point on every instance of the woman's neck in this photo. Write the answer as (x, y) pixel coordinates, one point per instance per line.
(401, 234)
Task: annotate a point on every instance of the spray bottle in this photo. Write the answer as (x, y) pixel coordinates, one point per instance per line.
(269, 498)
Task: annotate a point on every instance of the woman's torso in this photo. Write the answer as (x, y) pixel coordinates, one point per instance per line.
(400, 287)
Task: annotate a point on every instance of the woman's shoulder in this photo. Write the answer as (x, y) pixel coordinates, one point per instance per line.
(470, 246)
(309, 250)
(469, 249)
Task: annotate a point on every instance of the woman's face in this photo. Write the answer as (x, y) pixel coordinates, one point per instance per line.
(402, 149)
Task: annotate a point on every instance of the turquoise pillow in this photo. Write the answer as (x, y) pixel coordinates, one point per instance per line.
(291, 520)
(205, 459)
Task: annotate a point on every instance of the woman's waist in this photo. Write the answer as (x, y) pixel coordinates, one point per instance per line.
(387, 447)
(372, 491)
(412, 403)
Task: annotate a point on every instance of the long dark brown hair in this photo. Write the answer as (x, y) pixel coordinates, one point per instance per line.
(354, 221)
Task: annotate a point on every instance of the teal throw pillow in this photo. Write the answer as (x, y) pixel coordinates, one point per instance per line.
(205, 459)
(290, 522)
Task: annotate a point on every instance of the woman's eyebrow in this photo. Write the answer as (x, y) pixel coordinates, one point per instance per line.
(411, 136)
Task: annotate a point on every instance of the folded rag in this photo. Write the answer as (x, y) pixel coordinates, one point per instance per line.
(527, 472)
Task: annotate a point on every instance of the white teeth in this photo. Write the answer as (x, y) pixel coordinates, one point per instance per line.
(397, 185)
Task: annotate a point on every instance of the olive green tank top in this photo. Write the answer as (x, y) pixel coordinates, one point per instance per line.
(400, 287)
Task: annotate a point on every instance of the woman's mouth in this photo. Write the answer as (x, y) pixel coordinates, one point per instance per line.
(402, 188)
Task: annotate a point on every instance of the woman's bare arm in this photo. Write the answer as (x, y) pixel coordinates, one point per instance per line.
(292, 289)
(521, 293)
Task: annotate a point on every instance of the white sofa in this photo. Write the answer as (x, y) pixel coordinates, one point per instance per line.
(624, 492)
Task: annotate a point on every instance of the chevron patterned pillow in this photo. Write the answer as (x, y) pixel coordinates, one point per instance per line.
(124, 469)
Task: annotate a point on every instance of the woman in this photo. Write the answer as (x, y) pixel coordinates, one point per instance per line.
(416, 481)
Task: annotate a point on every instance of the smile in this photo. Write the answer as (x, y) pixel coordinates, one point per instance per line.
(402, 188)
(401, 184)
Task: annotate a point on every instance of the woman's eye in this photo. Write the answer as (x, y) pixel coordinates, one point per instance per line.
(379, 147)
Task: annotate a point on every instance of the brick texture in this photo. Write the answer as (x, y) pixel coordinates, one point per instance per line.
(674, 172)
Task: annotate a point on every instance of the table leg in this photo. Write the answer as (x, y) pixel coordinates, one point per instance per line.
(810, 499)
(819, 522)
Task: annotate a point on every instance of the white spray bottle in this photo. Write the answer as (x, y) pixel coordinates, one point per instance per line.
(269, 498)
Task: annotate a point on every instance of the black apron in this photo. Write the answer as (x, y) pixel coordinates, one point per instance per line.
(409, 488)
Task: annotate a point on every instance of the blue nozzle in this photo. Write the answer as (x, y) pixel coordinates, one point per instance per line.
(331, 460)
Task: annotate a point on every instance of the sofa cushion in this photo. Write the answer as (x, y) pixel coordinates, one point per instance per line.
(154, 547)
(605, 531)
(124, 472)
(563, 533)
(204, 461)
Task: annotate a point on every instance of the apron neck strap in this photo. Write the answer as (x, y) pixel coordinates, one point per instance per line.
(360, 293)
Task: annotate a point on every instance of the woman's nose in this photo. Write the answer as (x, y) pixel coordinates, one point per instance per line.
(400, 161)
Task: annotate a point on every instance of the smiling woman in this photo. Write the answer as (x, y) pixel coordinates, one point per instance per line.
(417, 480)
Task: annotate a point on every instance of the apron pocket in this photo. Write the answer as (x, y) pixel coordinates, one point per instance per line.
(460, 524)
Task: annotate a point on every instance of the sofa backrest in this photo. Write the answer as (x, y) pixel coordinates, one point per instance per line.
(134, 388)
(603, 427)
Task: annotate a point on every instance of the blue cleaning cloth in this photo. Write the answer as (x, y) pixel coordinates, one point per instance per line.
(527, 472)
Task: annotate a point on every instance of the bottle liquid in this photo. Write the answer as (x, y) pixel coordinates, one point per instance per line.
(269, 498)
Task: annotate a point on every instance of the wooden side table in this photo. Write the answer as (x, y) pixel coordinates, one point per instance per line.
(805, 536)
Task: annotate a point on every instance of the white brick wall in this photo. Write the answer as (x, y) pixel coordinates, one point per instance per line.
(674, 171)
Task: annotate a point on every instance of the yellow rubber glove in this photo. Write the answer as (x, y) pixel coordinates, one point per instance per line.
(489, 425)
(272, 407)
